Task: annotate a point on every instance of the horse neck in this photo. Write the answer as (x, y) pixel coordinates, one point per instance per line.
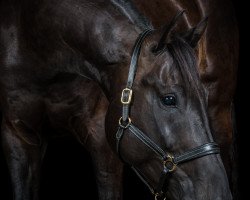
(110, 53)
(113, 68)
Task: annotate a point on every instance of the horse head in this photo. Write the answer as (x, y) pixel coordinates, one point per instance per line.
(163, 130)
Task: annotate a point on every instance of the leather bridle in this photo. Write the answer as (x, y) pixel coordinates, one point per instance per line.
(125, 123)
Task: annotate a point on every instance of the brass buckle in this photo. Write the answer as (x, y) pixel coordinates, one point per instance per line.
(124, 126)
(170, 162)
(123, 99)
(157, 195)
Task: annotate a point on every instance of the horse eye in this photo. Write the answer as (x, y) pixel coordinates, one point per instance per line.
(169, 100)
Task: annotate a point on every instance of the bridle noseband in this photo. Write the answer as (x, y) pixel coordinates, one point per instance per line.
(169, 161)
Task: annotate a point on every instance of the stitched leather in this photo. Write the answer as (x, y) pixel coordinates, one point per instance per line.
(119, 135)
(135, 56)
(147, 141)
(140, 175)
(162, 181)
(133, 69)
(125, 112)
(203, 150)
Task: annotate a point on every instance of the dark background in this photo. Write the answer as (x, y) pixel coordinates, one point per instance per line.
(242, 101)
(67, 173)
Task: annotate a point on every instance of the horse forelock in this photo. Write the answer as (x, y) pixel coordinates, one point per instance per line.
(186, 61)
(176, 64)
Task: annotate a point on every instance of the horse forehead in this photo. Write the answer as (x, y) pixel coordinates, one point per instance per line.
(160, 70)
(163, 65)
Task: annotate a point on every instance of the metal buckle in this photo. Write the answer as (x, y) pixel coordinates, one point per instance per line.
(128, 99)
(124, 126)
(157, 195)
(169, 163)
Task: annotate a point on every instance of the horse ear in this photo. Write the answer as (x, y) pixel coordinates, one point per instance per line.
(166, 31)
(193, 35)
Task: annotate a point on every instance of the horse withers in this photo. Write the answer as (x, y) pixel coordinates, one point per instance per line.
(161, 127)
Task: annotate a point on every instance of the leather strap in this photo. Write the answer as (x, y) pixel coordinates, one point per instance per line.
(140, 175)
(147, 141)
(203, 150)
(135, 56)
(119, 135)
(158, 191)
(127, 92)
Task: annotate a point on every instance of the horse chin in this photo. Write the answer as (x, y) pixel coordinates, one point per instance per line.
(180, 186)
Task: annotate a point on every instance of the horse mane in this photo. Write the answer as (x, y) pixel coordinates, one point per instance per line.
(129, 10)
(184, 56)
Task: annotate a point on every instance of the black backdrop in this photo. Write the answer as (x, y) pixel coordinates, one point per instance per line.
(242, 100)
(67, 173)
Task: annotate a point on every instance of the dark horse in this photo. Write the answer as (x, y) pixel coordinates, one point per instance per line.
(52, 55)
